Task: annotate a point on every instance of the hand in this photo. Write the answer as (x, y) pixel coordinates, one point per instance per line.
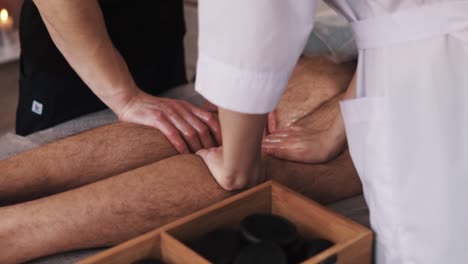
(230, 179)
(186, 126)
(305, 144)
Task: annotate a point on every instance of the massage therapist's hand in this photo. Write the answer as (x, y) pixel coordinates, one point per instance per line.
(231, 179)
(186, 126)
(302, 144)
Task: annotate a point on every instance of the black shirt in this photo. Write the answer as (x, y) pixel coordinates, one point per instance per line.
(148, 34)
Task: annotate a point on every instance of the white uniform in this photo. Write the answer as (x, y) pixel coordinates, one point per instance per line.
(407, 129)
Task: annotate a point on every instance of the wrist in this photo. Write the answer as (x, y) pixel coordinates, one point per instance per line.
(115, 85)
(122, 99)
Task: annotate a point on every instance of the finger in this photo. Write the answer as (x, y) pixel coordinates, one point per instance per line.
(276, 136)
(202, 129)
(188, 132)
(287, 132)
(286, 143)
(272, 122)
(202, 153)
(273, 144)
(171, 133)
(296, 128)
(210, 119)
(265, 133)
(274, 140)
(276, 143)
(279, 137)
(281, 152)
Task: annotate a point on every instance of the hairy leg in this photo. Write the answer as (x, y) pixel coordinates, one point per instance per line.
(313, 82)
(79, 160)
(117, 208)
(337, 178)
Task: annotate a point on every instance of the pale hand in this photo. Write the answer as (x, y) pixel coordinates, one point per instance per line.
(305, 145)
(187, 127)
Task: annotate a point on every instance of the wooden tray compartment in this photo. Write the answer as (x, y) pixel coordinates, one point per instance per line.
(353, 242)
(156, 244)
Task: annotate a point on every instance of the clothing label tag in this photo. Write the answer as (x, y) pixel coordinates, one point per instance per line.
(37, 107)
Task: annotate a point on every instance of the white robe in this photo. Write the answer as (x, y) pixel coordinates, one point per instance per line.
(408, 127)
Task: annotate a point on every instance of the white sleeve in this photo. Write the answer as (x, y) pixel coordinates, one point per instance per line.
(248, 49)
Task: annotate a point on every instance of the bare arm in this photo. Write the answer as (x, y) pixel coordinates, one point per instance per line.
(77, 28)
(241, 148)
(238, 163)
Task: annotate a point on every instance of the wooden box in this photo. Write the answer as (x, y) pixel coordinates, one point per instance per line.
(353, 242)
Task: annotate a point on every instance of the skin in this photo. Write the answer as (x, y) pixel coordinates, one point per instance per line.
(299, 101)
(311, 142)
(237, 164)
(297, 143)
(108, 213)
(88, 207)
(78, 30)
(81, 159)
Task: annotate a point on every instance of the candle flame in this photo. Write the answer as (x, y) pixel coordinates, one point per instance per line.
(3, 15)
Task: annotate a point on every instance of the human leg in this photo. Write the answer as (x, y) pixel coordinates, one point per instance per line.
(314, 82)
(120, 207)
(79, 160)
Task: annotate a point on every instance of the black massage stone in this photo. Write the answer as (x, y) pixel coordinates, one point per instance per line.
(219, 246)
(149, 261)
(262, 253)
(268, 227)
(295, 251)
(314, 247)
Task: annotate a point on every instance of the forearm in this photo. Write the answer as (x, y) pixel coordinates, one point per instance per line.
(78, 30)
(242, 136)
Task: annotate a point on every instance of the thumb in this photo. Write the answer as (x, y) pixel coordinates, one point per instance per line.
(280, 153)
(202, 153)
(272, 122)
